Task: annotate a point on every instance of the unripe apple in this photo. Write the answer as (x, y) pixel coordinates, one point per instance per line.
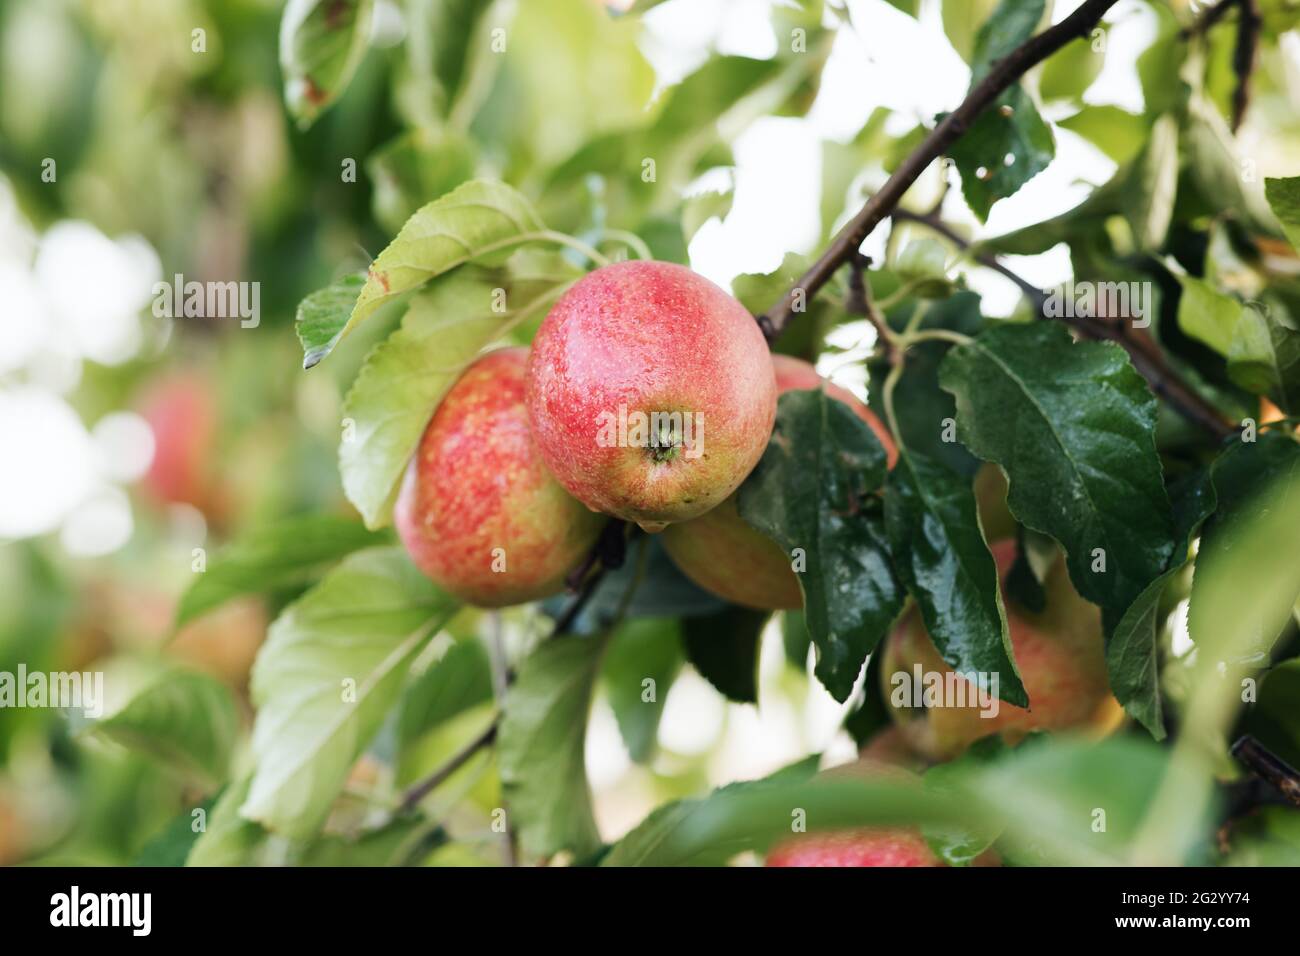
(1062, 665)
(182, 414)
(723, 553)
(478, 512)
(650, 392)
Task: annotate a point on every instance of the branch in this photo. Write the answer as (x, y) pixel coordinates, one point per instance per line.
(859, 302)
(1243, 58)
(1207, 19)
(1003, 74)
(440, 776)
(1269, 766)
(1142, 349)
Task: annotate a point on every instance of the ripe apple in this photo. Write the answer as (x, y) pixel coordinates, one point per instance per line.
(182, 414)
(1060, 656)
(722, 553)
(478, 512)
(650, 392)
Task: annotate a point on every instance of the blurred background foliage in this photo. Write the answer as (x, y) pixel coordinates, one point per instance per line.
(174, 152)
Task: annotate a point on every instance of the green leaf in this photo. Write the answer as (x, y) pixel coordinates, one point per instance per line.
(1131, 647)
(172, 845)
(322, 314)
(1073, 427)
(941, 555)
(1116, 132)
(724, 647)
(1283, 197)
(996, 135)
(1235, 584)
(332, 667)
(795, 639)
(451, 685)
(1069, 72)
(445, 328)
(1149, 191)
(872, 715)
(403, 841)
(808, 492)
(1264, 356)
(924, 262)
(321, 45)
(228, 839)
(647, 649)
(289, 553)
(540, 747)
(1206, 314)
(473, 221)
(962, 20)
(185, 719)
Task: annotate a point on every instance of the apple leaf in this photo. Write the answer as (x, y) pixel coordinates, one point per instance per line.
(541, 747)
(1234, 579)
(723, 647)
(641, 650)
(229, 839)
(473, 221)
(321, 314)
(282, 555)
(1073, 427)
(1283, 197)
(1207, 314)
(185, 719)
(404, 378)
(332, 667)
(454, 683)
(321, 45)
(941, 555)
(809, 494)
(417, 166)
(1131, 648)
(1116, 132)
(1264, 356)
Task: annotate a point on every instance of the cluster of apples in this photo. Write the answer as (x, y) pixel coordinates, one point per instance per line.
(530, 453)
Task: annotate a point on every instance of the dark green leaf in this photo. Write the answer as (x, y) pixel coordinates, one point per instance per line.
(321, 45)
(809, 493)
(941, 555)
(872, 715)
(1073, 427)
(457, 681)
(268, 558)
(1006, 146)
(724, 646)
(795, 639)
(171, 847)
(540, 747)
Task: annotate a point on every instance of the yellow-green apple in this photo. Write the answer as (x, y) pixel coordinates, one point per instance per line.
(650, 392)
(1062, 665)
(722, 553)
(478, 512)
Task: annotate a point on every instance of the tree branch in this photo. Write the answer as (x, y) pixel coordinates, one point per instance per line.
(1142, 349)
(1207, 19)
(1269, 766)
(1001, 76)
(419, 791)
(1243, 58)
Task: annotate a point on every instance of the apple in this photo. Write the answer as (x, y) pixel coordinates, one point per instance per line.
(651, 392)
(1059, 652)
(723, 554)
(478, 512)
(182, 414)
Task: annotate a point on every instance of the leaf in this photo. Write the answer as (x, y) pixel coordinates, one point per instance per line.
(962, 20)
(445, 328)
(322, 314)
(321, 45)
(172, 845)
(941, 556)
(227, 838)
(268, 558)
(724, 647)
(924, 263)
(1073, 427)
(1206, 314)
(1069, 72)
(1239, 583)
(1264, 357)
(996, 135)
(648, 649)
(1149, 191)
(663, 591)
(186, 719)
(1116, 132)
(472, 221)
(1131, 648)
(872, 715)
(451, 685)
(1283, 197)
(413, 168)
(403, 841)
(541, 745)
(807, 493)
(330, 670)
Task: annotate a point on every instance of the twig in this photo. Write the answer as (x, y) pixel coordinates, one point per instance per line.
(1243, 58)
(1209, 18)
(419, 791)
(858, 302)
(1269, 766)
(1002, 75)
(1146, 355)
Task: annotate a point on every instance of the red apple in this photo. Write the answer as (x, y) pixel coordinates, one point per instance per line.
(1062, 664)
(723, 554)
(181, 411)
(650, 392)
(478, 512)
